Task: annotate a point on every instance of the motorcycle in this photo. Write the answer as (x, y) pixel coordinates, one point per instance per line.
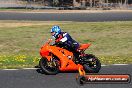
(55, 59)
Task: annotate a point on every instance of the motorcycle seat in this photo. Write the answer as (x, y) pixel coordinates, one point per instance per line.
(84, 46)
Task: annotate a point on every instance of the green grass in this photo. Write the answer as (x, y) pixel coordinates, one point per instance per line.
(20, 41)
(15, 9)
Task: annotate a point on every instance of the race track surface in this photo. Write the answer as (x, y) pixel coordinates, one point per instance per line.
(81, 17)
(33, 79)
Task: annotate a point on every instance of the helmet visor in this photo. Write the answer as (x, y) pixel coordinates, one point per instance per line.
(52, 33)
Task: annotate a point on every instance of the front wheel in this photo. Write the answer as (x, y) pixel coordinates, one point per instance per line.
(91, 64)
(48, 67)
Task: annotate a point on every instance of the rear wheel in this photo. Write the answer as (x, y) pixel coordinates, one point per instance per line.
(49, 67)
(92, 64)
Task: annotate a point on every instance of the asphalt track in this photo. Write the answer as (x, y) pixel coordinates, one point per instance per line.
(33, 79)
(81, 17)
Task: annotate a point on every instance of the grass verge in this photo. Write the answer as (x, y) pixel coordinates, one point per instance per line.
(20, 40)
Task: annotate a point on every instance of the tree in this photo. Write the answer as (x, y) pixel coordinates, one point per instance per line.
(91, 2)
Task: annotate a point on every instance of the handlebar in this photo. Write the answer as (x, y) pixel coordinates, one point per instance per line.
(49, 41)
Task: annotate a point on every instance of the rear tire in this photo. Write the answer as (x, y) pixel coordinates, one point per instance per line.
(89, 67)
(47, 69)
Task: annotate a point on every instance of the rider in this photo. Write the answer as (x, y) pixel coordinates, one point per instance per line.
(63, 39)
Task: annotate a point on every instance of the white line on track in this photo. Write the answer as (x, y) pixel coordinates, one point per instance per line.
(20, 69)
(103, 65)
(120, 64)
(29, 68)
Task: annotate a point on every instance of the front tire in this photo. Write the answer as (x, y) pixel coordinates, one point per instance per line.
(46, 68)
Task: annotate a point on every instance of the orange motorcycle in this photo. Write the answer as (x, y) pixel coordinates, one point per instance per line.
(55, 59)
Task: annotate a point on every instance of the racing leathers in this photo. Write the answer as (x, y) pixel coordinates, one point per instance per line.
(65, 40)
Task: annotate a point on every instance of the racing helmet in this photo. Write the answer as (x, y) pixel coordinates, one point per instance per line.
(56, 30)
